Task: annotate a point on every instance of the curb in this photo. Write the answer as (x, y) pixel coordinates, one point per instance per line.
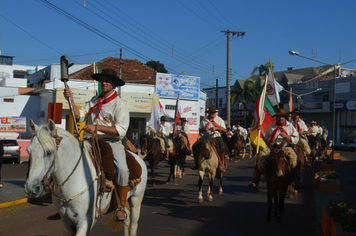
(23, 200)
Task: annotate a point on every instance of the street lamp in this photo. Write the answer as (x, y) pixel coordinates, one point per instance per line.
(299, 96)
(334, 92)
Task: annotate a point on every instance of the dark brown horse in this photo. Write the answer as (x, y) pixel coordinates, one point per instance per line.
(278, 177)
(314, 143)
(151, 147)
(237, 143)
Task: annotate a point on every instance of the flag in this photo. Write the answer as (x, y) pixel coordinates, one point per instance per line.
(164, 112)
(273, 88)
(155, 117)
(98, 71)
(291, 104)
(179, 113)
(267, 119)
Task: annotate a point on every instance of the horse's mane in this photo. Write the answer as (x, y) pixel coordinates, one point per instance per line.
(45, 138)
(207, 137)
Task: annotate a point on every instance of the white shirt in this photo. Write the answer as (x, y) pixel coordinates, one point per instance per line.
(301, 124)
(242, 130)
(185, 128)
(114, 113)
(217, 120)
(291, 131)
(314, 130)
(165, 128)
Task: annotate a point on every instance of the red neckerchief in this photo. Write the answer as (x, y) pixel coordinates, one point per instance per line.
(213, 122)
(279, 127)
(101, 102)
(297, 126)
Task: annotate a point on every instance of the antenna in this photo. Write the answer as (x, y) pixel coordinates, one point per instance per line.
(314, 54)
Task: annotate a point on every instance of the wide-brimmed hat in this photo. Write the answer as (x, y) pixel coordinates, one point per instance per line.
(163, 118)
(183, 119)
(313, 122)
(212, 110)
(108, 73)
(281, 112)
(296, 111)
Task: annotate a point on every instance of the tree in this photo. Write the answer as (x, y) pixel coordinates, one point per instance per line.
(247, 94)
(262, 69)
(156, 65)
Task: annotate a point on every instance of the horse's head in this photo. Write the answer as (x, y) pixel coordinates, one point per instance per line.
(42, 151)
(277, 159)
(143, 143)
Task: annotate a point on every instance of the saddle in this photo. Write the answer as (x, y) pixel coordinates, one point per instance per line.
(163, 146)
(103, 160)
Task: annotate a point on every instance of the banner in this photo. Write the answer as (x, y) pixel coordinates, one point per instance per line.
(139, 102)
(80, 96)
(170, 85)
(13, 124)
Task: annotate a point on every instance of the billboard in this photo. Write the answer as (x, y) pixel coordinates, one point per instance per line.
(139, 102)
(80, 96)
(170, 85)
(13, 124)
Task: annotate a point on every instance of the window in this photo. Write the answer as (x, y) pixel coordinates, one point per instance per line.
(4, 60)
(343, 88)
(325, 98)
(19, 76)
(8, 100)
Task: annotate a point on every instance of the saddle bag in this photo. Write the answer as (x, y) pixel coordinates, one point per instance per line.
(130, 146)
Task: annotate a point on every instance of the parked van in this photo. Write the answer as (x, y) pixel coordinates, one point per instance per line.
(11, 150)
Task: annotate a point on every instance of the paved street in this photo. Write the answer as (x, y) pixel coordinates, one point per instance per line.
(173, 209)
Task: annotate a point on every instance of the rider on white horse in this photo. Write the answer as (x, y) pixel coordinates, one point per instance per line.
(107, 115)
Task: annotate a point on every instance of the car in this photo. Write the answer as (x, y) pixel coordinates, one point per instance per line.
(11, 150)
(346, 145)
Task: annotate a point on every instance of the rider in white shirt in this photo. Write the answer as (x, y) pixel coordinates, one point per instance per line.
(163, 132)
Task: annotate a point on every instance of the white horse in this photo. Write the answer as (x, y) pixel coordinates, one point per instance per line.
(55, 152)
(208, 162)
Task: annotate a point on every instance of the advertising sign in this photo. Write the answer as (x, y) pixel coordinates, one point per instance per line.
(139, 102)
(169, 85)
(13, 124)
(80, 96)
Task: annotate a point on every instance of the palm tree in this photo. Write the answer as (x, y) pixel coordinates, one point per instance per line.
(245, 95)
(262, 69)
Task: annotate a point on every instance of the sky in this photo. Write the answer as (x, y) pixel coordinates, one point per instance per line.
(184, 35)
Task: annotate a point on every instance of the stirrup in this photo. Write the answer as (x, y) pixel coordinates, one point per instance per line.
(122, 210)
(221, 168)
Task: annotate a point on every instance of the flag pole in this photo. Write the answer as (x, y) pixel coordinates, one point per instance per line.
(291, 108)
(175, 117)
(274, 83)
(94, 70)
(261, 113)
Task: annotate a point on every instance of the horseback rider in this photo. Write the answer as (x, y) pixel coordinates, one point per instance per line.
(314, 130)
(214, 125)
(163, 132)
(302, 129)
(243, 132)
(183, 129)
(283, 130)
(108, 116)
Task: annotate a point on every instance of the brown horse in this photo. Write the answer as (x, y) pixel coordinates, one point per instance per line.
(314, 143)
(151, 147)
(237, 144)
(278, 176)
(206, 155)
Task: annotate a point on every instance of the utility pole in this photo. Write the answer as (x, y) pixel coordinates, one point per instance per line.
(216, 93)
(120, 72)
(238, 33)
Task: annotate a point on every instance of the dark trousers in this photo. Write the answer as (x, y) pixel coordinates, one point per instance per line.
(221, 144)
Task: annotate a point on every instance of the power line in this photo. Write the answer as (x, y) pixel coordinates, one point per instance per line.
(222, 14)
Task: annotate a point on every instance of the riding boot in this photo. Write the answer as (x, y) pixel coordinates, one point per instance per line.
(167, 154)
(120, 214)
(255, 179)
(221, 162)
(297, 178)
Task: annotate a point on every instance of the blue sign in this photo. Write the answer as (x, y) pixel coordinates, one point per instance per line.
(170, 85)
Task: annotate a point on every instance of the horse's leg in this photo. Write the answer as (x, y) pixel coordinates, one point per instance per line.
(182, 163)
(237, 155)
(291, 190)
(221, 175)
(171, 173)
(69, 225)
(135, 203)
(269, 203)
(153, 167)
(275, 200)
(210, 189)
(200, 183)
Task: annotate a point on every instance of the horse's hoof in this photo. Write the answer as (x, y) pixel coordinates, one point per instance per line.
(183, 173)
(152, 185)
(200, 200)
(220, 192)
(295, 192)
(180, 176)
(167, 182)
(210, 199)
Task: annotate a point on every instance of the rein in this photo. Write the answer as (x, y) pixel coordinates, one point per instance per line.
(58, 141)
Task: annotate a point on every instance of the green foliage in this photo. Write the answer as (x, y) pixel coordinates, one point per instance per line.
(156, 65)
(262, 69)
(247, 94)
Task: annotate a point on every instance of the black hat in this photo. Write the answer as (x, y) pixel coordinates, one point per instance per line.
(281, 112)
(212, 110)
(163, 118)
(183, 119)
(296, 111)
(109, 73)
